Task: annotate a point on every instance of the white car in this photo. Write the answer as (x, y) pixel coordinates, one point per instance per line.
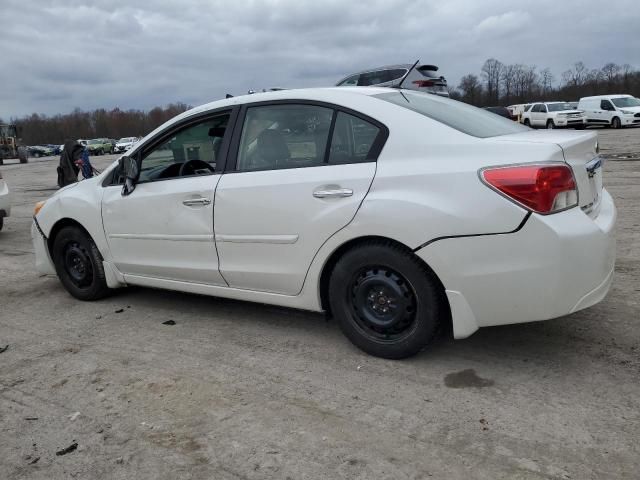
(5, 201)
(124, 144)
(616, 111)
(554, 115)
(395, 211)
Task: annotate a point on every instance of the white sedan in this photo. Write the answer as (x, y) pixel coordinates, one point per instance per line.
(5, 201)
(395, 211)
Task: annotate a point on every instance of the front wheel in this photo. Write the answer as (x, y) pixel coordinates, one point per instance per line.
(550, 125)
(615, 123)
(527, 122)
(79, 264)
(386, 301)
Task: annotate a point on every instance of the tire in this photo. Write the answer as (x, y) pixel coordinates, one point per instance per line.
(1, 222)
(386, 301)
(616, 123)
(23, 155)
(79, 264)
(36, 154)
(527, 122)
(550, 125)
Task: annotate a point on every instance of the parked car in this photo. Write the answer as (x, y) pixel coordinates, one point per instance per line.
(5, 201)
(395, 211)
(40, 151)
(55, 149)
(503, 112)
(125, 144)
(554, 115)
(99, 146)
(423, 78)
(615, 111)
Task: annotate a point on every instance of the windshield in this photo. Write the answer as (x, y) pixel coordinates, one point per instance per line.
(626, 102)
(460, 116)
(93, 142)
(126, 140)
(559, 107)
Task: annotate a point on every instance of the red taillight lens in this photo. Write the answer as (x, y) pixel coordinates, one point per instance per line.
(423, 83)
(541, 188)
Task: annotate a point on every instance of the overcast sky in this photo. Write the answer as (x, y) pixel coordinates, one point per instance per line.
(58, 55)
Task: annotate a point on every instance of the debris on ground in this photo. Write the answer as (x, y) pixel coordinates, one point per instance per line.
(31, 418)
(34, 461)
(120, 310)
(2, 350)
(74, 416)
(169, 322)
(69, 449)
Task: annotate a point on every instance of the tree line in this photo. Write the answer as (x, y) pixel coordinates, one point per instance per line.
(36, 129)
(500, 84)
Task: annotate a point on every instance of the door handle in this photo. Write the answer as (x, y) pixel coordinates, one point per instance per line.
(196, 201)
(333, 193)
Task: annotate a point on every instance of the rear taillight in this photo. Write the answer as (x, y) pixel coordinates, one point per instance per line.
(424, 83)
(541, 188)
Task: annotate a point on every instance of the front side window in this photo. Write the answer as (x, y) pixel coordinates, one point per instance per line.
(284, 136)
(194, 150)
(606, 105)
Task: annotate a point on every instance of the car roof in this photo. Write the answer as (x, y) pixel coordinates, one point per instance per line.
(596, 97)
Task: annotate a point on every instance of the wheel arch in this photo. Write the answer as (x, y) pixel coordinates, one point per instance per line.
(59, 225)
(338, 252)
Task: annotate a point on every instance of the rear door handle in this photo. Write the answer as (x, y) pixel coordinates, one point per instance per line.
(333, 193)
(192, 202)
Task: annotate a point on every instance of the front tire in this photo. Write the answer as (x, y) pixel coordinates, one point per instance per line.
(616, 123)
(550, 125)
(79, 264)
(386, 301)
(527, 122)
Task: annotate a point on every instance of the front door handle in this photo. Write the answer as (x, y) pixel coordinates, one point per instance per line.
(192, 202)
(333, 193)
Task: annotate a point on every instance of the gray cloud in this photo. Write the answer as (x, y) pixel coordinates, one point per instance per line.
(142, 53)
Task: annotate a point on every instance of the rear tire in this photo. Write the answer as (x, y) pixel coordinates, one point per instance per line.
(1, 223)
(615, 123)
(79, 264)
(23, 155)
(386, 301)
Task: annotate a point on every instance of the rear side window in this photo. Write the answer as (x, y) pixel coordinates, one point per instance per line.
(374, 78)
(353, 139)
(352, 81)
(457, 115)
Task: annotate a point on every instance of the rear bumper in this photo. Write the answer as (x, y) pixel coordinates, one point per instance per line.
(553, 266)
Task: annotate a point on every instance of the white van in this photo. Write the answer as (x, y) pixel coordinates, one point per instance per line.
(611, 110)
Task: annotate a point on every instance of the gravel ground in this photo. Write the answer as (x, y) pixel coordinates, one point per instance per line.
(243, 391)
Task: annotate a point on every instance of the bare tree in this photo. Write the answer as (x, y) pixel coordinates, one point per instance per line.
(470, 89)
(492, 71)
(610, 73)
(508, 79)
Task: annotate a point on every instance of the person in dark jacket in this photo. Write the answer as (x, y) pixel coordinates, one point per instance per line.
(68, 168)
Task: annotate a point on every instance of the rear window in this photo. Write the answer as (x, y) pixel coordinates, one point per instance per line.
(460, 116)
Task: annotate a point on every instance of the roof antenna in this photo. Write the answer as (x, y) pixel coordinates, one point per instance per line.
(228, 95)
(404, 77)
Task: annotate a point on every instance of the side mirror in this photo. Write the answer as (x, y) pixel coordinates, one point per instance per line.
(129, 168)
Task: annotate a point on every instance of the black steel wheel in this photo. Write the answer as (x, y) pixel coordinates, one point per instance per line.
(387, 302)
(79, 264)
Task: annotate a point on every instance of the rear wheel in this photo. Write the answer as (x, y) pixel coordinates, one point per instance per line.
(615, 123)
(1, 219)
(23, 155)
(385, 300)
(79, 264)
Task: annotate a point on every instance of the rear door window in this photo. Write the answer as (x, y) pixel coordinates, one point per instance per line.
(353, 140)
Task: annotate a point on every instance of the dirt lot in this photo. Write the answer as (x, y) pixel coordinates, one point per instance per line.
(242, 391)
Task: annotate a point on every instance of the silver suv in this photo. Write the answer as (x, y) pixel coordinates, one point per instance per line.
(423, 78)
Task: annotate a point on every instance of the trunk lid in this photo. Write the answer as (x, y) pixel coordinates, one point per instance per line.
(579, 151)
